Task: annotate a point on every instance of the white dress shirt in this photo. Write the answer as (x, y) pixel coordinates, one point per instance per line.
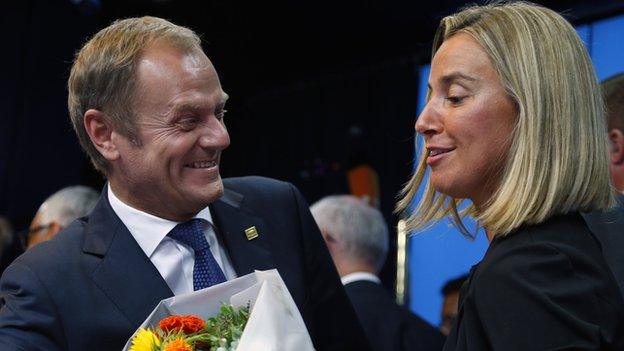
(173, 259)
(355, 276)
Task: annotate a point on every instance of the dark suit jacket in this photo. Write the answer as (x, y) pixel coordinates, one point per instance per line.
(389, 326)
(91, 286)
(543, 287)
(609, 229)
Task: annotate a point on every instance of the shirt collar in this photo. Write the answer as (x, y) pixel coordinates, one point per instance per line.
(355, 276)
(148, 230)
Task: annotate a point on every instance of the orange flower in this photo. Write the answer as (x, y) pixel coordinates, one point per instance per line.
(188, 324)
(178, 344)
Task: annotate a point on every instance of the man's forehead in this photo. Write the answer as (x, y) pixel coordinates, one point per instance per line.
(159, 58)
(176, 79)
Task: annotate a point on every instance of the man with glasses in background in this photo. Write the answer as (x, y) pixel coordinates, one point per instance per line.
(58, 210)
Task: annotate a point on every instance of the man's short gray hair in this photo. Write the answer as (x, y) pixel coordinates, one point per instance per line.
(361, 228)
(68, 204)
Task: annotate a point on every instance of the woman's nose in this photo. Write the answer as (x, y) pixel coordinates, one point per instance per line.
(428, 121)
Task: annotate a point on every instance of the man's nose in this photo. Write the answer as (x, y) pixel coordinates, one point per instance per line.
(214, 135)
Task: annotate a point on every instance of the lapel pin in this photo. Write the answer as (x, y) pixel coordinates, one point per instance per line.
(251, 233)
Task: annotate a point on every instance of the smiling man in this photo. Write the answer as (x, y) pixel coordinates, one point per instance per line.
(148, 109)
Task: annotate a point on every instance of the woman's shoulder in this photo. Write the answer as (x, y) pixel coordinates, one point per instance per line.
(559, 259)
(546, 283)
(565, 236)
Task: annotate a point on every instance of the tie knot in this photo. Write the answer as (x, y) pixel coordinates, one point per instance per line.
(190, 233)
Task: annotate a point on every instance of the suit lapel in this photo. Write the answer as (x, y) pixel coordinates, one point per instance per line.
(125, 274)
(231, 221)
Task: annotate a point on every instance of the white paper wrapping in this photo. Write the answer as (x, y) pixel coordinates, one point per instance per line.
(274, 320)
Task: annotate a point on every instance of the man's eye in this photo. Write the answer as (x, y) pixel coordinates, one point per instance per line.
(187, 123)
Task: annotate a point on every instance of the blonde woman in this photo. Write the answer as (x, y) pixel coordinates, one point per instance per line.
(514, 122)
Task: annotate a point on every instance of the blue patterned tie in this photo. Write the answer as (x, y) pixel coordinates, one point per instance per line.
(206, 271)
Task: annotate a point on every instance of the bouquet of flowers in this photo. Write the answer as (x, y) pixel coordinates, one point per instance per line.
(191, 333)
(249, 313)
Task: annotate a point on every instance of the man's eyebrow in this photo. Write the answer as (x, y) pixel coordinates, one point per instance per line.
(185, 107)
(190, 106)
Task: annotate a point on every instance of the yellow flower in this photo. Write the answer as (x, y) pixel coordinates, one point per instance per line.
(145, 340)
(178, 344)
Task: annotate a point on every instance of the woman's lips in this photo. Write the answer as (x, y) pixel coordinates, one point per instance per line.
(435, 154)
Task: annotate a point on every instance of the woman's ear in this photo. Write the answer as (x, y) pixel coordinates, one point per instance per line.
(100, 131)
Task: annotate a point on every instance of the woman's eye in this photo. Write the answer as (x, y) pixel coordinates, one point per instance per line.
(455, 100)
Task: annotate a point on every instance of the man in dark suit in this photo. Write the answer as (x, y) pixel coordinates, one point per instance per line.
(59, 210)
(147, 106)
(609, 227)
(357, 237)
(450, 303)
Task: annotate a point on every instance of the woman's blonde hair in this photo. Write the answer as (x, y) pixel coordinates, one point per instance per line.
(557, 161)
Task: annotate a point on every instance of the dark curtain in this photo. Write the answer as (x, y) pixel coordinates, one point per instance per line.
(39, 153)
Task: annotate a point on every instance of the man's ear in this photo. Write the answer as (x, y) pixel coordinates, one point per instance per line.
(335, 245)
(616, 147)
(101, 131)
(55, 227)
(330, 241)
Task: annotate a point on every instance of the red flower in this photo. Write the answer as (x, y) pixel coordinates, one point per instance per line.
(188, 324)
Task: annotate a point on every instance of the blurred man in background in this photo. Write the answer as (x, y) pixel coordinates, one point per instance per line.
(58, 210)
(6, 235)
(357, 238)
(613, 89)
(450, 305)
(609, 227)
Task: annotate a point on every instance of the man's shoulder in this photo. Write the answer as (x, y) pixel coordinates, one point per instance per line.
(253, 183)
(382, 316)
(606, 223)
(57, 253)
(371, 296)
(259, 187)
(608, 228)
(366, 288)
